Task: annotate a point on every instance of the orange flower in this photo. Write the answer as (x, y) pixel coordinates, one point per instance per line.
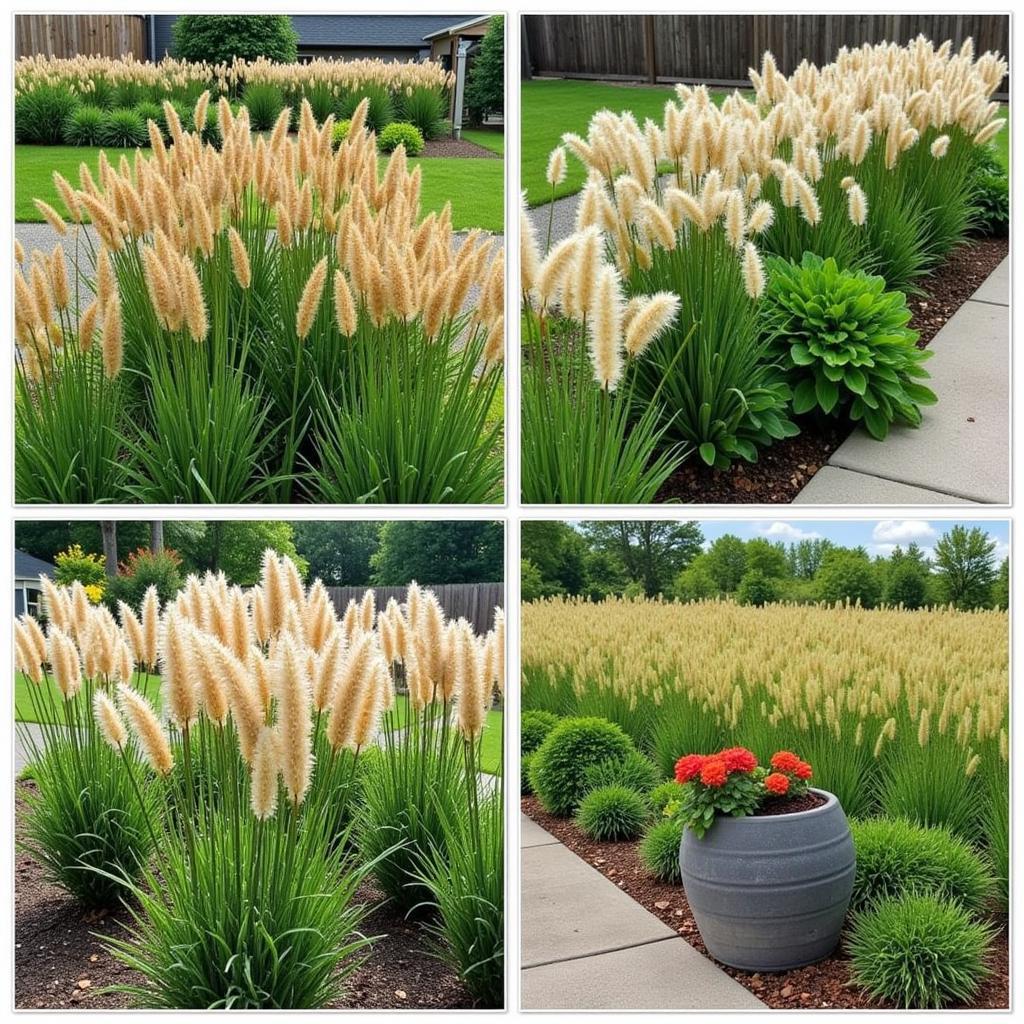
(785, 761)
(713, 773)
(689, 766)
(803, 771)
(777, 783)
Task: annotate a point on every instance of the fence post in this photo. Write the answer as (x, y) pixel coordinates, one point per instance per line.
(460, 87)
(649, 49)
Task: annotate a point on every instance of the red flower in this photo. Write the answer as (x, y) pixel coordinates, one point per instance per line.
(784, 761)
(738, 759)
(777, 783)
(713, 773)
(803, 770)
(689, 766)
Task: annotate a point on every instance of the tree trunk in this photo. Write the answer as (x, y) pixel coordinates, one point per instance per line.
(156, 536)
(108, 527)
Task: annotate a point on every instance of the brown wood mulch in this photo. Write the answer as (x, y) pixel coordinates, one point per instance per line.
(456, 148)
(824, 985)
(784, 469)
(60, 961)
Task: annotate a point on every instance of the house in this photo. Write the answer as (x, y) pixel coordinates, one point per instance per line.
(27, 570)
(395, 37)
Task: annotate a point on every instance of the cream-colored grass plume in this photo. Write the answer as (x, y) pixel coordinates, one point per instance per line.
(146, 728)
(34, 636)
(556, 169)
(112, 338)
(368, 611)
(753, 271)
(275, 592)
(309, 303)
(266, 769)
(605, 329)
(65, 662)
(51, 216)
(208, 658)
(344, 305)
(111, 725)
(857, 205)
(348, 689)
(176, 659)
(292, 689)
(372, 697)
(653, 315)
(149, 652)
(26, 656)
(55, 603)
(471, 685)
(239, 258)
(529, 254)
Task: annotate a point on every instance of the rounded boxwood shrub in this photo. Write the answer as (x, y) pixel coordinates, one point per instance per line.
(559, 766)
(634, 771)
(664, 794)
(918, 952)
(534, 727)
(339, 133)
(401, 133)
(124, 128)
(844, 343)
(895, 857)
(612, 813)
(84, 126)
(659, 850)
(525, 788)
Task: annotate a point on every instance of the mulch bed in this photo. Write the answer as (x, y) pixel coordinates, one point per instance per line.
(824, 985)
(784, 469)
(457, 148)
(60, 962)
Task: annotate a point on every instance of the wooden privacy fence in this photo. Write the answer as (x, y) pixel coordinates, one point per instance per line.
(474, 602)
(73, 35)
(719, 48)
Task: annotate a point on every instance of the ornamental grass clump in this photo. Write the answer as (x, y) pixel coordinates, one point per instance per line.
(246, 774)
(276, 298)
(844, 344)
(612, 813)
(901, 712)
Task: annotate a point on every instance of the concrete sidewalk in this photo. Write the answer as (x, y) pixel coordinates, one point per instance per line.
(586, 945)
(961, 452)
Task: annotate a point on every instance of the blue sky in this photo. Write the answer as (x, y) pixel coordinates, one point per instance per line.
(879, 536)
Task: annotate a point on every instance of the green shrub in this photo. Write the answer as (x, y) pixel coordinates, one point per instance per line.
(264, 102)
(559, 766)
(485, 77)
(896, 857)
(634, 771)
(990, 190)
(41, 112)
(150, 110)
(659, 850)
(218, 38)
(427, 109)
(612, 813)
(995, 825)
(74, 564)
(756, 588)
(127, 93)
(124, 128)
(401, 133)
(143, 569)
(918, 952)
(339, 133)
(525, 761)
(534, 727)
(84, 126)
(844, 343)
(381, 109)
(664, 794)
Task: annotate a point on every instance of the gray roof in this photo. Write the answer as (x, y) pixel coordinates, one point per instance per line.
(393, 31)
(28, 567)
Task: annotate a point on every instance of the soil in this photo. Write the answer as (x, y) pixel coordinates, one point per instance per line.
(60, 962)
(791, 805)
(456, 148)
(824, 985)
(784, 469)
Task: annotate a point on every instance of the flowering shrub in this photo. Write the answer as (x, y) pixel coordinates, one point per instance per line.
(732, 782)
(88, 568)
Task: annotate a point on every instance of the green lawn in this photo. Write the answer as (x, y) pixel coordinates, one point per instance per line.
(475, 185)
(490, 138)
(490, 754)
(552, 107)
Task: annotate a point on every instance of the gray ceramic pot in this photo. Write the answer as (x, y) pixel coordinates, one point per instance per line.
(770, 893)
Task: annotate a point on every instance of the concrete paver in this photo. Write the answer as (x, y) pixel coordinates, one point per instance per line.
(834, 486)
(996, 287)
(531, 834)
(666, 975)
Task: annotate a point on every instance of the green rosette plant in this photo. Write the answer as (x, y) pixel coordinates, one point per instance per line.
(844, 343)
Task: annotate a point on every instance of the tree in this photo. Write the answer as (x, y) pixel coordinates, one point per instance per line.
(108, 530)
(727, 562)
(236, 548)
(695, 582)
(652, 552)
(485, 80)
(767, 558)
(559, 554)
(906, 585)
(218, 38)
(965, 567)
(756, 588)
(531, 583)
(605, 575)
(1001, 587)
(435, 552)
(805, 556)
(338, 552)
(847, 574)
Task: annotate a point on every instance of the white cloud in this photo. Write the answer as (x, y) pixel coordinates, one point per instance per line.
(786, 531)
(903, 531)
(1002, 548)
